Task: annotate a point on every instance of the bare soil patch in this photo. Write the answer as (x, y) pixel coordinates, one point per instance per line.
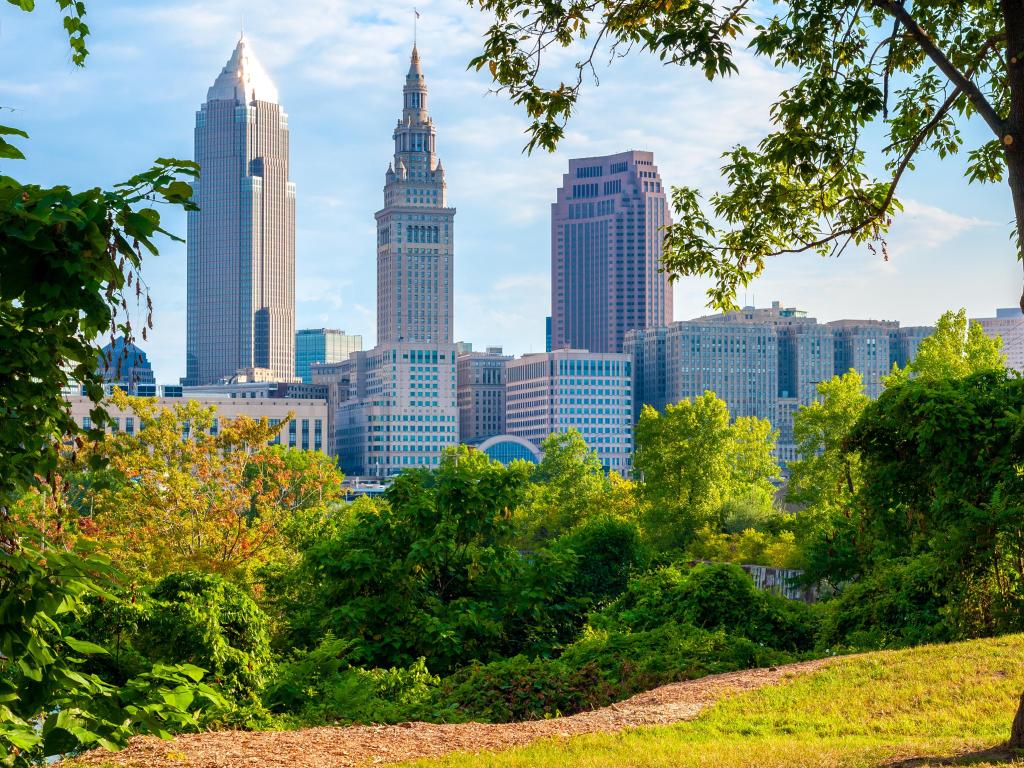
(369, 745)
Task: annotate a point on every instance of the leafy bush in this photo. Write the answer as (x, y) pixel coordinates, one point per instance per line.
(204, 620)
(608, 551)
(899, 604)
(320, 686)
(711, 597)
(597, 670)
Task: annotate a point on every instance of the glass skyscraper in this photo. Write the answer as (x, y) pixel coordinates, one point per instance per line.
(241, 241)
(606, 248)
(322, 345)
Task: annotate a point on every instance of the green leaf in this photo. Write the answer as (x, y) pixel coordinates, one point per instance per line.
(83, 646)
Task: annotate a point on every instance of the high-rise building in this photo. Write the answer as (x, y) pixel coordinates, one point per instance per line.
(241, 241)
(592, 392)
(606, 248)
(763, 362)
(481, 394)
(1009, 325)
(401, 409)
(322, 345)
(415, 230)
(126, 367)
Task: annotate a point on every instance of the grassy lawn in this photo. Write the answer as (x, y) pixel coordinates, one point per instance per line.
(935, 705)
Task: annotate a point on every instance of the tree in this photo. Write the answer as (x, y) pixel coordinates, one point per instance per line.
(825, 478)
(692, 460)
(957, 348)
(192, 496)
(913, 72)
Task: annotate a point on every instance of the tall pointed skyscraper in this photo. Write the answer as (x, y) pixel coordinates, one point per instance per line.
(241, 242)
(415, 230)
(401, 410)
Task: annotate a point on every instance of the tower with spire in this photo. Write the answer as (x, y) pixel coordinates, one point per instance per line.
(415, 228)
(402, 410)
(241, 241)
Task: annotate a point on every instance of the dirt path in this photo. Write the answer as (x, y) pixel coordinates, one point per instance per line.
(384, 744)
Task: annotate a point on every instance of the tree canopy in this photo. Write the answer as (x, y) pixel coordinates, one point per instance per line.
(914, 73)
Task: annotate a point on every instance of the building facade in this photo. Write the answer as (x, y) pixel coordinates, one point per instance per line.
(306, 427)
(1009, 325)
(126, 367)
(592, 392)
(241, 241)
(606, 248)
(400, 409)
(322, 345)
(415, 229)
(481, 394)
(763, 362)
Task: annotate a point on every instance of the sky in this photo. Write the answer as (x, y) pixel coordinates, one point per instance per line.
(339, 66)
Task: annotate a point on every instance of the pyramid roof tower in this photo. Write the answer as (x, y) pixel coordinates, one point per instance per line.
(243, 78)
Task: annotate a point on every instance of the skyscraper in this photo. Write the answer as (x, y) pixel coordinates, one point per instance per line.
(402, 409)
(322, 345)
(241, 241)
(606, 249)
(415, 230)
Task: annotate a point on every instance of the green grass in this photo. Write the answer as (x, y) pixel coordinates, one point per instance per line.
(934, 705)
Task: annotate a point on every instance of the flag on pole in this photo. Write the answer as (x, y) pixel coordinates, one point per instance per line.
(416, 12)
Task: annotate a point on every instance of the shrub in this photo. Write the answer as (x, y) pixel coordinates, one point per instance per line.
(597, 670)
(608, 551)
(319, 685)
(898, 604)
(204, 620)
(711, 597)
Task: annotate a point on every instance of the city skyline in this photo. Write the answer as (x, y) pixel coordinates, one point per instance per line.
(949, 249)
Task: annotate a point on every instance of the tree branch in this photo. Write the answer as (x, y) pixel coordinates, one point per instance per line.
(958, 78)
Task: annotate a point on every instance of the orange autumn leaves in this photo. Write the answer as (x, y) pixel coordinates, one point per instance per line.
(193, 492)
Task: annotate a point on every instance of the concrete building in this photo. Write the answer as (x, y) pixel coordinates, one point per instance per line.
(126, 366)
(415, 230)
(606, 248)
(322, 345)
(481, 394)
(306, 429)
(241, 241)
(763, 362)
(592, 392)
(1009, 325)
(400, 409)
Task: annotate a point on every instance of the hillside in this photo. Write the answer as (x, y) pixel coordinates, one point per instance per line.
(916, 707)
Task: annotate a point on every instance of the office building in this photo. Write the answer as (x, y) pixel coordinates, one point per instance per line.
(481, 394)
(592, 392)
(241, 241)
(126, 367)
(763, 362)
(1009, 325)
(400, 409)
(606, 248)
(306, 430)
(322, 345)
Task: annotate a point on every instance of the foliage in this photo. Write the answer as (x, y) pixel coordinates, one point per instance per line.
(221, 501)
(204, 620)
(597, 670)
(912, 75)
(693, 461)
(432, 572)
(569, 485)
(899, 603)
(748, 547)
(941, 465)
(319, 685)
(608, 551)
(945, 703)
(957, 348)
(50, 704)
(711, 597)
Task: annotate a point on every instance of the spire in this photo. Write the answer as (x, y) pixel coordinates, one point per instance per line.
(243, 78)
(414, 65)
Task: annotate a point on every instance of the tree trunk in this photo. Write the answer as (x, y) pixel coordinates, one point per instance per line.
(1013, 131)
(1017, 729)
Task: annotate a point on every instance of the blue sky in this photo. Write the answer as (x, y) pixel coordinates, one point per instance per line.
(339, 68)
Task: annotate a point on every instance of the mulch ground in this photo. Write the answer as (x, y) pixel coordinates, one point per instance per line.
(364, 745)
